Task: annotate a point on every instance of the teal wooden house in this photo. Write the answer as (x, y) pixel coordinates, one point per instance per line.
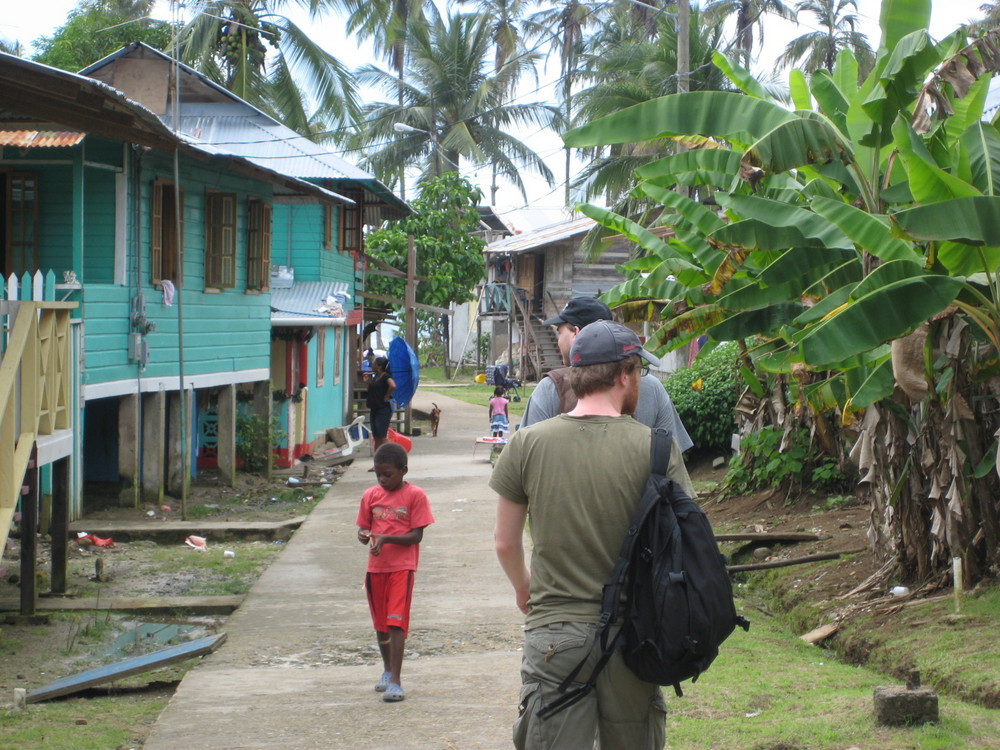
(316, 247)
(150, 263)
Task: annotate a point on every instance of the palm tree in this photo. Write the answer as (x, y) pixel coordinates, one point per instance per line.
(260, 55)
(564, 26)
(452, 106)
(749, 14)
(818, 49)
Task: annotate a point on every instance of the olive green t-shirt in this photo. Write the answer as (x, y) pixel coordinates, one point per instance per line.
(582, 478)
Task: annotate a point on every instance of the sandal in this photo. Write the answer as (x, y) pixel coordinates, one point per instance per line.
(383, 682)
(393, 693)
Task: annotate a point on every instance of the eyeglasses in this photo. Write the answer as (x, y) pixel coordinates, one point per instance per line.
(644, 371)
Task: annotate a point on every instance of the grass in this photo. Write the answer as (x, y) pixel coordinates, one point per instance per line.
(213, 574)
(101, 723)
(470, 391)
(768, 690)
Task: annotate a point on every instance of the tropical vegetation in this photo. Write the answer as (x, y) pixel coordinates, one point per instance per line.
(850, 244)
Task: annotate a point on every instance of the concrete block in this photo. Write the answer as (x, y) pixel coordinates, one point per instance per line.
(900, 706)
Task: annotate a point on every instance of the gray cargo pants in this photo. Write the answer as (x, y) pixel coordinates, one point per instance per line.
(623, 711)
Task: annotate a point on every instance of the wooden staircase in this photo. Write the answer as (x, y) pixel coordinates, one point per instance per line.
(35, 390)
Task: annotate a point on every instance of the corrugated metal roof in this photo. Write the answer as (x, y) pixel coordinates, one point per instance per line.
(306, 304)
(537, 238)
(40, 138)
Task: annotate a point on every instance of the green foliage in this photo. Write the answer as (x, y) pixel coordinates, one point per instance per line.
(762, 464)
(95, 29)
(705, 395)
(448, 255)
(255, 438)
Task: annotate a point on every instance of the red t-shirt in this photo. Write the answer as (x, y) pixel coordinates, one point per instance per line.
(394, 512)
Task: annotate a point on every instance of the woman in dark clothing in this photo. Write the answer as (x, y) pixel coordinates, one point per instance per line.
(381, 386)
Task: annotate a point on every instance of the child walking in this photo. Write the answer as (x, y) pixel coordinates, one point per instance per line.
(499, 418)
(391, 521)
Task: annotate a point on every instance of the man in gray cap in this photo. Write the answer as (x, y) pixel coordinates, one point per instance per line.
(578, 477)
(553, 395)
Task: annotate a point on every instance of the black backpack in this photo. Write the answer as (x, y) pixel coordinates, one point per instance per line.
(679, 599)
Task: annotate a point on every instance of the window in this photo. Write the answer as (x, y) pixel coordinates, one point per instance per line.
(351, 220)
(165, 241)
(22, 224)
(320, 356)
(220, 240)
(259, 216)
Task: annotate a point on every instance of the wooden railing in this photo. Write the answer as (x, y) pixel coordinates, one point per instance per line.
(35, 389)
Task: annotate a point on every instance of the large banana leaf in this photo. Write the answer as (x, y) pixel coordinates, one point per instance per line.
(981, 147)
(870, 232)
(760, 235)
(695, 214)
(877, 384)
(806, 265)
(965, 260)
(792, 144)
(887, 312)
(831, 100)
(901, 17)
(928, 182)
(633, 231)
(972, 221)
(739, 75)
(778, 214)
(707, 159)
(710, 113)
(748, 323)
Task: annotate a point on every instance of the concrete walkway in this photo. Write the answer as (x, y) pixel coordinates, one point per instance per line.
(300, 662)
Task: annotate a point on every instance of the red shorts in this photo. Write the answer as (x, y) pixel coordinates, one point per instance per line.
(389, 596)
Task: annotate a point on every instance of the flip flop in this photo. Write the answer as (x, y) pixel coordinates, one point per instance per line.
(393, 693)
(383, 682)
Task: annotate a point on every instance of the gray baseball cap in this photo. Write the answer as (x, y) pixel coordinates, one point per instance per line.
(606, 341)
(581, 311)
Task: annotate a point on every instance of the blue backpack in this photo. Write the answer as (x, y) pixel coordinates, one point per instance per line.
(678, 606)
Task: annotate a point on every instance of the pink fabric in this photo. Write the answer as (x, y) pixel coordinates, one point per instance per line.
(394, 513)
(498, 405)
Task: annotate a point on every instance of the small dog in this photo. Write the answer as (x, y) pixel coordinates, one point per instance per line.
(435, 419)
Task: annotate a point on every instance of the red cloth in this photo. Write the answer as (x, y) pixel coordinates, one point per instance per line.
(389, 597)
(394, 512)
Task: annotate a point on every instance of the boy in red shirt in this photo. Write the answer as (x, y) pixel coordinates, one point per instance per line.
(391, 522)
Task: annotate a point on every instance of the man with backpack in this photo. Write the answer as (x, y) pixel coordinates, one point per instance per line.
(579, 477)
(553, 394)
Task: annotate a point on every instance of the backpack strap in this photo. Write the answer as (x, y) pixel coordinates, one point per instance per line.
(560, 378)
(659, 459)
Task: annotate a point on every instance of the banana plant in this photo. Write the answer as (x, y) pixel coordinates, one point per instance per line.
(830, 234)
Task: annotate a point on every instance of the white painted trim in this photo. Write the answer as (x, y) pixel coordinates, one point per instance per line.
(55, 446)
(169, 383)
(121, 225)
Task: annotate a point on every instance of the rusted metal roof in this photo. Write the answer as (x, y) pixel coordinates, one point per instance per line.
(40, 138)
(539, 238)
(310, 303)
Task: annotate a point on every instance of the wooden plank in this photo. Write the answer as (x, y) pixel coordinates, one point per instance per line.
(791, 536)
(120, 670)
(147, 605)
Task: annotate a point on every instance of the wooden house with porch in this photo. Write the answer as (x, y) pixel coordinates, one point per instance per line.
(530, 277)
(316, 248)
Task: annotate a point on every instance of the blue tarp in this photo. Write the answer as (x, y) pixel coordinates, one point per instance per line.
(405, 370)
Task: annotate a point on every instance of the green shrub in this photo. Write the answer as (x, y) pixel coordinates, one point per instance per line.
(761, 465)
(705, 396)
(256, 438)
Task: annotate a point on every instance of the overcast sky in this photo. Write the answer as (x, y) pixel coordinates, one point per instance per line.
(26, 21)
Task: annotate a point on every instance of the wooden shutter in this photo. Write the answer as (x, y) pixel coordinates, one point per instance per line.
(156, 233)
(220, 240)
(259, 217)
(351, 220)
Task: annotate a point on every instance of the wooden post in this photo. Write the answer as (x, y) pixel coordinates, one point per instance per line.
(29, 540)
(411, 313)
(178, 465)
(262, 408)
(60, 524)
(153, 451)
(226, 434)
(128, 447)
